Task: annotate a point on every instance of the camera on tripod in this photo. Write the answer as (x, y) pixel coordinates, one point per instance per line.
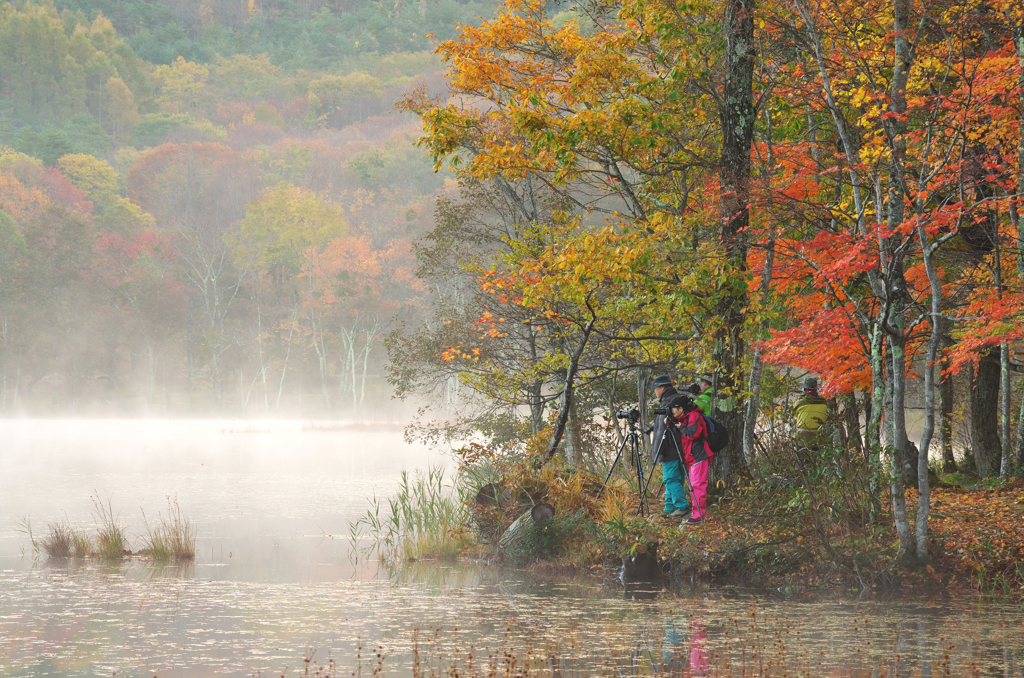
(633, 415)
(634, 448)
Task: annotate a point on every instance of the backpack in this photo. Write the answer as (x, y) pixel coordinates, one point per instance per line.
(718, 434)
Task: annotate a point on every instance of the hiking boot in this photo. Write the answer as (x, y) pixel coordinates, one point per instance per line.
(679, 513)
(692, 521)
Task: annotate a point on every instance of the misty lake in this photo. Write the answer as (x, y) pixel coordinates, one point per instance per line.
(274, 577)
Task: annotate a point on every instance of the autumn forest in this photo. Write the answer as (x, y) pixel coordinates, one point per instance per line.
(746, 190)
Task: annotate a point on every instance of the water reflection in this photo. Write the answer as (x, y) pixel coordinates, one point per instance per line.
(85, 619)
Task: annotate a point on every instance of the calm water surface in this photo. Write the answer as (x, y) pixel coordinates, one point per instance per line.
(275, 576)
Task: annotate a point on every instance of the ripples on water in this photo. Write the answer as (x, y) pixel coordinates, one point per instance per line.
(273, 577)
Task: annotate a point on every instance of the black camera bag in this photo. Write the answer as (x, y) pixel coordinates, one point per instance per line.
(718, 434)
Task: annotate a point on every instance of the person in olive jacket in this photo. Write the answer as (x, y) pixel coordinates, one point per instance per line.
(811, 413)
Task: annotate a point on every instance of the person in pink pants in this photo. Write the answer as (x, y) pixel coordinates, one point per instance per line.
(693, 432)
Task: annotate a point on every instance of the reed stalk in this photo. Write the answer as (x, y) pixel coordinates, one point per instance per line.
(426, 518)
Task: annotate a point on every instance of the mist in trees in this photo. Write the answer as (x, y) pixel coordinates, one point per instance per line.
(197, 217)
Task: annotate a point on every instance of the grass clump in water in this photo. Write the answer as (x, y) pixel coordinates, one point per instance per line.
(426, 519)
(64, 541)
(172, 537)
(111, 538)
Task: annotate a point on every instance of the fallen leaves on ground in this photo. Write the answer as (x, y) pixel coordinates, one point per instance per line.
(976, 540)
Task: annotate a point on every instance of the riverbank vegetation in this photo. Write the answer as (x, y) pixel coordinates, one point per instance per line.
(426, 518)
(804, 520)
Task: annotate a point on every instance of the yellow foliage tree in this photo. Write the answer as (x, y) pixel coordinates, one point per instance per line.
(180, 84)
(98, 181)
(122, 113)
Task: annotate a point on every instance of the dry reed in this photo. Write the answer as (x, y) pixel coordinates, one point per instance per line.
(172, 537)
(64, 541)
(111, 539)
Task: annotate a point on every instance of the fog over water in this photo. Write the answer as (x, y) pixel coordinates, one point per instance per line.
(274, 575)
(246, 484)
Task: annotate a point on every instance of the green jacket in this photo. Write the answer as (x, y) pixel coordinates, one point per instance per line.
(706, 401)
(811, 412)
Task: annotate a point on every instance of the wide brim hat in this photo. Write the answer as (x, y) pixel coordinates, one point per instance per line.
(810, 383)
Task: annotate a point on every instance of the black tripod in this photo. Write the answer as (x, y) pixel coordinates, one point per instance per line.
(635, 458)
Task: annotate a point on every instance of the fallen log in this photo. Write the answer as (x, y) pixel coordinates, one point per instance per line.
(539, 515)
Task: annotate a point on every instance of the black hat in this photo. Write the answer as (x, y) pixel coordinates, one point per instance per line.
(683, 401)
(663, 380)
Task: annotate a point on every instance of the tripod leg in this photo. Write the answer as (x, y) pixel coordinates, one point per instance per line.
(643, 508)
(650, 477)
(612, 467)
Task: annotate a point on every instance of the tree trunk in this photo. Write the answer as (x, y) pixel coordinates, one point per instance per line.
(321, 355)
(896, 284)
(1019, 457)
(875, 409)
(366, 363)
(946, 426)
(1018, 42)
(571, 437)
(1005, 452)
(934, 341)
(287, 356)
(737, 116)
(567, 393)
(985, 415)
(851, 416)
(898, 445)
(757, 366)
(643, 388)
(878, 381)
(536, 388)
(1005, 413)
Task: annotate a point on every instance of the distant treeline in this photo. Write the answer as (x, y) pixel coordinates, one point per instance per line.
(310, 34)
(221, 228)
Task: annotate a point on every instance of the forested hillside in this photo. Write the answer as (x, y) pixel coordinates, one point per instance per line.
(209, 204)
